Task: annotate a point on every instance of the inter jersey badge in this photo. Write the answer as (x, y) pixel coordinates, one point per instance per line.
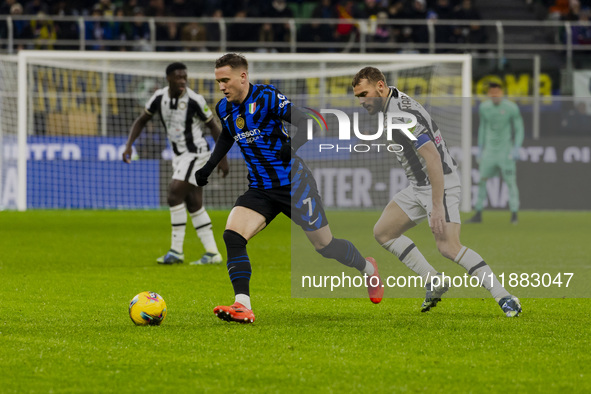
(240, 122)
(251, 108)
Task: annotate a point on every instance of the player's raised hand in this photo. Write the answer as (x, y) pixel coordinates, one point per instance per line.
(126, 156)
(437, 219)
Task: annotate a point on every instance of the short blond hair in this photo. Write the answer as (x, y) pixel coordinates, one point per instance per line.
(234, 60)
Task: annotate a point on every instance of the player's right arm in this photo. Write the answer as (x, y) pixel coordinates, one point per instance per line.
(136, 129)
(152, 106)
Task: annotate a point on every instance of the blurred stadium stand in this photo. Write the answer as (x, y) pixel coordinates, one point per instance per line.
(303, 26)
(540, 50)
(493, 31)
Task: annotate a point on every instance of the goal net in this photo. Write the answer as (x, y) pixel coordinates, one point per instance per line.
(73, 112)
(9, 182)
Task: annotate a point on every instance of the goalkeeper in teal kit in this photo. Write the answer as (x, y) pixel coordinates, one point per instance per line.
(500, 137)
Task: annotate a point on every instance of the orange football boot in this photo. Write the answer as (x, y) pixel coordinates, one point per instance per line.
(375, 292)
(236, 312)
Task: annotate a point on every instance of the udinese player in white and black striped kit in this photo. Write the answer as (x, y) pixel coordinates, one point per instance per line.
(185, 117)
(433, 193)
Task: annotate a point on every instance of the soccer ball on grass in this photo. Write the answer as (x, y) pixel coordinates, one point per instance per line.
(147, 308)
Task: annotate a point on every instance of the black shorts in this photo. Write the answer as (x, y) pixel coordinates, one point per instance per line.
(299, 201)
(267, 202)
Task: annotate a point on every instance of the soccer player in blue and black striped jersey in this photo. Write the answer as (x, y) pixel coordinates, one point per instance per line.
(252, 116)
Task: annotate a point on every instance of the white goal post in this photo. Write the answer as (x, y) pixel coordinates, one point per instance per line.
(92, 83)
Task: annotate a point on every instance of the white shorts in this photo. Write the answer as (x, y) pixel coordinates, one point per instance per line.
(185, 166)
(417, 203)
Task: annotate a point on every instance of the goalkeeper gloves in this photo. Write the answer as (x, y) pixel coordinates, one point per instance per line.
(516, 153)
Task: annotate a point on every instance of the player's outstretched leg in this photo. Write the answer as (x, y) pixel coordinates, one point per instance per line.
(475, 265)
(347, 254)
(178, 220)
(239, 269)
(202, 224)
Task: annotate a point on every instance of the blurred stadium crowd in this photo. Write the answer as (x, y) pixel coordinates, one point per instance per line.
(104, 27)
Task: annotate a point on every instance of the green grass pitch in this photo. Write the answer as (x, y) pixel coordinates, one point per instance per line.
(66, 278)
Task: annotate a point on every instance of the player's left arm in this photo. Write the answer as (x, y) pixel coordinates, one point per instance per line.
(519, 131)
(429, 152)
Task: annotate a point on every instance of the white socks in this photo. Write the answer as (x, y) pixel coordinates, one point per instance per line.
(369, 269)
(244, 300)
(471, 261)
(475, 265)
(178, 219)
(202, 224)
(403, 248)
